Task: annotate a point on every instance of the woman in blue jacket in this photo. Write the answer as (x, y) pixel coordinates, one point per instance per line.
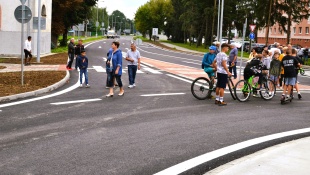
(115, 63)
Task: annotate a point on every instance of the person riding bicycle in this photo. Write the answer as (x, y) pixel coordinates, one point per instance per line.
(255, 67)
(207, 61)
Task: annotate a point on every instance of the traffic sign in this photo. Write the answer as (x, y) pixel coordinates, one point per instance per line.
(23, 1)
(252, 35)
(252, 28)
(155, 32)
(97, 24)
(102, 24)
(18, 14)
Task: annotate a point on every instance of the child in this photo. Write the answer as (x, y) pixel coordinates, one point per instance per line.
(82, 63)
(275, 69)
(222, 74)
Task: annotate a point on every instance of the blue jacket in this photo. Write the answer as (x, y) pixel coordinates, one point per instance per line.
(117, 60)
(82, 62)
(208, 60)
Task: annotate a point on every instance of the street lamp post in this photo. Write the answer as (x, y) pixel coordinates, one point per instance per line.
(97, 22)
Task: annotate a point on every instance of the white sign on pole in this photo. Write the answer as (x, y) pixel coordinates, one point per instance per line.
(97, 24)
(252, 28)
(155, 31)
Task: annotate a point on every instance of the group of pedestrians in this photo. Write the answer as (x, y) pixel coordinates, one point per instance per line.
(280, 65)
(114, 65)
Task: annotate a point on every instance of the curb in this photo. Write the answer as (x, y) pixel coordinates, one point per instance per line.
(37, 92)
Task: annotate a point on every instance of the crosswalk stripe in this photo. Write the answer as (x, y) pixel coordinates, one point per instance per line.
(99, 68)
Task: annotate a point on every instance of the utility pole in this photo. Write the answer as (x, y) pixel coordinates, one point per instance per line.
(39, 33)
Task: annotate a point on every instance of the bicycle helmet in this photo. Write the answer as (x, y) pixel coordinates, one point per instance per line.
(212, 48)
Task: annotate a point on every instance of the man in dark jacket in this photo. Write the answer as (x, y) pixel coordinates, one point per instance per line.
(71, 51)
(82, 63)
(78, 48)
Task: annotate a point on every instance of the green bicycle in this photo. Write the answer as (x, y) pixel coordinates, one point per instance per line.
(244, 89)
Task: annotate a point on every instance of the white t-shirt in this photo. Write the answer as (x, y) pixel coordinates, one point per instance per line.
(219, 59)
(27, 45)
(133, 55)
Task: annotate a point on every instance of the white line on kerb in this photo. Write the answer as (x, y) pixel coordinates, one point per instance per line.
(76, 101)
(167, 94)
(189, 164)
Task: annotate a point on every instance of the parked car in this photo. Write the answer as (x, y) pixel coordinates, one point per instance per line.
(258, 46)
(237, 44)
(223, 41)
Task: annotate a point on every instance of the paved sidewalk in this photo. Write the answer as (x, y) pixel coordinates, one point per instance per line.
(33, 67)
(289, 158)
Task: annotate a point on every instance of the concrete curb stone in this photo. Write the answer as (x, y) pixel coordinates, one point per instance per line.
(39, 91)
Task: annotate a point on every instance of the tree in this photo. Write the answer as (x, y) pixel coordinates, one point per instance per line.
(66, 13)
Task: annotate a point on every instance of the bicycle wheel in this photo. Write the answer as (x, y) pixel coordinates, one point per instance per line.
(268, 90)
(231, 88)
(302, 72)
(242, 90)
(201, 88)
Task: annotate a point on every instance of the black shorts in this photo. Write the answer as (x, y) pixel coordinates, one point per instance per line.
(221, 80)
(27, 54)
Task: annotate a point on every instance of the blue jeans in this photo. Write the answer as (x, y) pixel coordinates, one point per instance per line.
(233, 68)
(132, 71)
(306, 58)
(85, 72)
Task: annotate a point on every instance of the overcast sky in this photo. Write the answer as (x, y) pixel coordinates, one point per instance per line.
(128, 7)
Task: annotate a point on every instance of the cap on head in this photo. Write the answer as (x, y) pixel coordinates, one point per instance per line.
(212, 48)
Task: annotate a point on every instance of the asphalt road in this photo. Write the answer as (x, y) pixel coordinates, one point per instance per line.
(137, 133)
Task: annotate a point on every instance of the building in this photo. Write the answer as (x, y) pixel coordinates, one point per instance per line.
(299, 34)
(10, 28)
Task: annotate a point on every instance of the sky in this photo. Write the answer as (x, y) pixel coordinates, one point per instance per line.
(128, 7)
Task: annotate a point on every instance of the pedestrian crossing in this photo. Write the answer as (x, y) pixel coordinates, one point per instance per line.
(144, 69)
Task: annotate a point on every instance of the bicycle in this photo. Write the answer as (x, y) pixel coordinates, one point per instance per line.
(244, 89)
(202, 87)
(301, 71)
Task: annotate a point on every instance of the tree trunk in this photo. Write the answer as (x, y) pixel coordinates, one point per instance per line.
(64, 38)
(213, 22)
(268, 22)
(54, 40)
(289, 23)
(206, 34)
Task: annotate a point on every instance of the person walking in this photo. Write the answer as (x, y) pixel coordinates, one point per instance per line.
(78, 49)
(82, 63)
(71, 50)
(233, 60)
(27, 51)
(133, 61)
(274, 71)
(115, 63)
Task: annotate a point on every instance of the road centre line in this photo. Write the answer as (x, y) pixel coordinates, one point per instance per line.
(194, 162)
(166, 94)
(76, 101)
(76, 85)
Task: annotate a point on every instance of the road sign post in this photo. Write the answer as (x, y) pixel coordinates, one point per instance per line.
(243, 37)
(23, 15)
(39, 32)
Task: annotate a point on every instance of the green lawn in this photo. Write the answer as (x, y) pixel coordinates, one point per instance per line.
(61, 49)
(199, 48)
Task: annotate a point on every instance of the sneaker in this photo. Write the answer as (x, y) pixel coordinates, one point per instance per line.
(130, 86)
(81, 85)
(217, 102)
(87, 86)
(134, 85)
(223, 103)
(299, 96)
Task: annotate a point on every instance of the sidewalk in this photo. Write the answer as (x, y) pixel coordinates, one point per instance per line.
(33, 67)
(289, 158)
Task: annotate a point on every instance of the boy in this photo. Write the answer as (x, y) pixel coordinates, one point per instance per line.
(275, 69)
(289, 63)
(207, 62)
(82, 63)
(222, 74)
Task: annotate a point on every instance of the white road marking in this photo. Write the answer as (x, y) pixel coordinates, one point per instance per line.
(139, 72)
(179, 78)
(76, 85)
(99, 69)
(0, 110)
(152, 70)
(194, 162)
(191, 62)
(99, 47)
(167, 94)
(77, 101)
